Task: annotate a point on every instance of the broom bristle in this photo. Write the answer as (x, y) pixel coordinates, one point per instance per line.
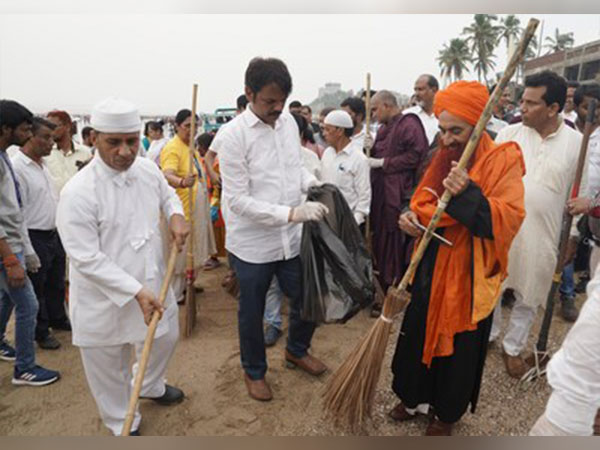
(351, 389)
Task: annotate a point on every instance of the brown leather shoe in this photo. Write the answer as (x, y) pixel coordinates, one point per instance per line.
(515, 365)
(258, 389)
(307, 363)
(438, 428)
(400, 414)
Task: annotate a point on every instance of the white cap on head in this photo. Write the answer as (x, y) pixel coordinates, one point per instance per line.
(115, 115)
(339, 118)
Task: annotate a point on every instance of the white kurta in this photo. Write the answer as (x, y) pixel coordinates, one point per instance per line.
(550, 166)
(109, 225)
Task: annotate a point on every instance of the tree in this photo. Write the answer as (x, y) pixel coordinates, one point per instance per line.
(482, 37)
(558, 42)
(453, 59)
(509, 29)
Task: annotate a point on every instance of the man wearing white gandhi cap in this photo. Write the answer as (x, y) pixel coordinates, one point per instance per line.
(108, 220)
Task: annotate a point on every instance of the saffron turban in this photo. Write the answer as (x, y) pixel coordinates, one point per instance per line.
(464, 99)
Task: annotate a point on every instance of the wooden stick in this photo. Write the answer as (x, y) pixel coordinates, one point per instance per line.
(143, 362)
(190, 294)
(368, 132)
(469, 150)
(542, 342)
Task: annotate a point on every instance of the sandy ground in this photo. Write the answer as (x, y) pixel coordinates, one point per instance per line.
(206, 366)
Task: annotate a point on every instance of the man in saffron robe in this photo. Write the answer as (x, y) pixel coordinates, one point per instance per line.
(441, 350)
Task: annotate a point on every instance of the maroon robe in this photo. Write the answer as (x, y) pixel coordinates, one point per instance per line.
(403, 144)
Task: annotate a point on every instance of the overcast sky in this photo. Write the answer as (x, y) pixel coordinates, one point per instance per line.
(72, 61)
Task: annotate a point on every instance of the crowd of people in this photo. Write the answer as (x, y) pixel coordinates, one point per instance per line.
(88, 226)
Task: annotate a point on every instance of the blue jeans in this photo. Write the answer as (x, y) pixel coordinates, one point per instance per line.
(567, 285)
(25, 304)
(255, 280)
(273, 305)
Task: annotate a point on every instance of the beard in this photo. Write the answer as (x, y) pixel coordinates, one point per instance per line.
(440, 166)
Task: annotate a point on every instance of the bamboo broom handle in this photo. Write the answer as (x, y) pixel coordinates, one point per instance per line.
(143, 363)
(470, 148)
(192, 147)
(368, 133)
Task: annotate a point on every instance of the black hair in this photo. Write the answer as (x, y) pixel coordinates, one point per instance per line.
(432, 82)
(39, 122)
(572, 84)
(13, 114)
(371, 91)
(556, 87)
(264, 71)
(295, 104)
(307, 107)
(325, 111)
(302, 124)
(204, 140)
(356, 105)
(241, 102)
(586, 90)
(86, 132)
(348, 132)
(182, 116)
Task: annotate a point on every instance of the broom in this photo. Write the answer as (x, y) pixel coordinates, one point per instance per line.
(189, 312)
(351, 389)
(143, 363)
(540, 354)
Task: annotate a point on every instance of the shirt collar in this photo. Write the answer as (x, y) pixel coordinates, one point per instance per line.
(253, 120)
(120, 178)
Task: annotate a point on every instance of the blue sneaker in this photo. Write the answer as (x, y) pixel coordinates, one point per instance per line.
(7, 353)
(37, 376)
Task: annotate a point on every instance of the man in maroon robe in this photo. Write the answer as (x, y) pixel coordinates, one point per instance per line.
(400, 148)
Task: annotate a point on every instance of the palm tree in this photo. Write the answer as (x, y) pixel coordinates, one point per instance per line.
(560, 41)
(482, 36)
(453, 59)
(510, 30)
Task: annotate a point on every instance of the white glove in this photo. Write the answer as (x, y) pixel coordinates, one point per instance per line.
(359, 218)
(32, 263)
(309, 211)
(375, 163)
(315, 183)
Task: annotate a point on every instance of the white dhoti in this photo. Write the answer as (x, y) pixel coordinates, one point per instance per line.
(110, 375)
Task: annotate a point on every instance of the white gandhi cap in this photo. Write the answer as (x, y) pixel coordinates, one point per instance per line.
(115, 115)
(339, 118)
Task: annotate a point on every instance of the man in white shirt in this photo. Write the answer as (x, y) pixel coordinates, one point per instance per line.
(345, 165)
(67, 155)
(425, 88)
(116, 269)
(357, 110)
(550, 150)
(570, 111)
(40, 200)
(574, 374)
(263, 180)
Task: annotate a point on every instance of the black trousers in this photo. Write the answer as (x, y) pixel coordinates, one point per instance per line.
(49, 281)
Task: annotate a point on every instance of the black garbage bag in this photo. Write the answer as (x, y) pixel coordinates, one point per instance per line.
(337, 268)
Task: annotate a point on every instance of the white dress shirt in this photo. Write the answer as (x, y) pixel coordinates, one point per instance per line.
(108, 222)
(38, 193)
(263, 178)
(349, 170)
(311, 162)
(429, 121)
(62, 166)
(594, 163)
(550, 165)
(574, 371)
